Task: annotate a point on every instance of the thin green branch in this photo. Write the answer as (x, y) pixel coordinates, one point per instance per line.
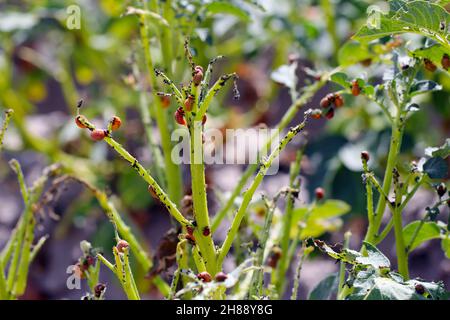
(341, 284)
(307, 94)
(8, 115)
(264, 166)
(135, 164)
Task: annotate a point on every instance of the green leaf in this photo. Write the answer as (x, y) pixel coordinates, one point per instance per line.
(228, 8)
(434, 53)
(424, 86)
(370, 285)
(436, 168)
(329, 209)
(442, 151)
(420, 17)
(430, 230)
(353, 52)
(325, 288)
(321, 219)
(375, 257)
(341, 79)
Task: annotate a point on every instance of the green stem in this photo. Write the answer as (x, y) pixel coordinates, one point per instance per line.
(202, 231)
(394, 149)
(341, 284)
(264, 166)
(257, 281)
(294, 184)
(158, 162)
(402, 257)
(304, 254)
(173, 171)
(8, 115)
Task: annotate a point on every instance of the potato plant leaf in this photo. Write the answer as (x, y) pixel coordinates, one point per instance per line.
(434, 53)
(374, 257)
(424, 86)
(430, 230)
(420, 17)
(370, 285)
(436, 168)
(320, 219)
(325, 288)
(442, 151)
(285, 75)
(223, 7)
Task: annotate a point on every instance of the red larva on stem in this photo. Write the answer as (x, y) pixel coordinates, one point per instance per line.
(338, 100)
(190, 230)
(115, 123)
(356, 89)
(430, 66)
(325, 102)
(445, 61)
(221, 277)
(98, 134)
(122, 245)
(316, 114)
(204, 276)
(190, 238)
(179, 116)
(189, 102)
(441, 189)
(165, 101)
(330, 114)
(204, 118)
(80, 120)
(98, 289)
(320, 193)
(274, 257)
(206, 231)
(197, 76)
(365, 155)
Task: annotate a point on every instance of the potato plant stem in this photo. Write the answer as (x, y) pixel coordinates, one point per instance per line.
(173, 171)
(202, 231)
(7, 118)
(341, 283)
(263, 167)
(402, 257)
(308, 93)
(394, 149)
(294, 184)
(135, 164)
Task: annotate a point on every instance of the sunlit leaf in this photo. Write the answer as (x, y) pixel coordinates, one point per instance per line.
(430, 230)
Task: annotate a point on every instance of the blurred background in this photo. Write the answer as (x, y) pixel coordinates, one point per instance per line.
(46, 67)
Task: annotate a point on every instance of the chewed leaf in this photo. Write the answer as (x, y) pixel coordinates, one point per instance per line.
(346, 255)
(434, 53)
(374, 257)
(424, 86)
(370, 285)
(420, 17)
(285, 75)
(442, 151)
